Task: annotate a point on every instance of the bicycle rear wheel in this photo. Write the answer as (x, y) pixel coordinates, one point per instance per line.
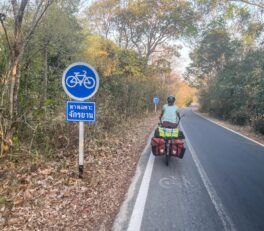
(167, 156)
(167, 159)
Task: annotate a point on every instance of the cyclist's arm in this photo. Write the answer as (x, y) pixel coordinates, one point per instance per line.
(178, 115)
(162, 112)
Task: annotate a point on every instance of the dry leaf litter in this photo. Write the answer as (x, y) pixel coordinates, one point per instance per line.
(50, 196)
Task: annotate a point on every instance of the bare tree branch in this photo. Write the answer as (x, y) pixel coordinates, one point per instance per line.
(249, 2)
(15, 7)
(2, 16)
(21, 11)
(36, 19)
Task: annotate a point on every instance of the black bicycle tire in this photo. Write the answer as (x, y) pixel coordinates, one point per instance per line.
(167, 159)
(167, 156)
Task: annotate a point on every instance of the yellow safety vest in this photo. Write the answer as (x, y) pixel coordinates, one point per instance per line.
(168, 132)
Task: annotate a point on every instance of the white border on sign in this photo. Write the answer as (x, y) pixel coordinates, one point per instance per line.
(73, 120)
(96, 77)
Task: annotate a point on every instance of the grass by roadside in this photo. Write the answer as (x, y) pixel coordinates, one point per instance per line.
(49, 196)
(244, 130)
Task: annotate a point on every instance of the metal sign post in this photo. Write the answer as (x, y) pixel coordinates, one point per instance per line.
(80, 82)
(82, 112)
(81, 148)
(155, 101)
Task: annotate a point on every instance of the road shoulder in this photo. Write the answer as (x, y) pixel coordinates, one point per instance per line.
(131, 211)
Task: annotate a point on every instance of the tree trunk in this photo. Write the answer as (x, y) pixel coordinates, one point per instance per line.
(45, 78)
(14, 87)
(11, 83)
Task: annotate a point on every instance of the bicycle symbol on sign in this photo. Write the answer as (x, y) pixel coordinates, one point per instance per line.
(81, 79)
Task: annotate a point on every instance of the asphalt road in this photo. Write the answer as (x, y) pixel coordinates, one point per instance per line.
(219, 185)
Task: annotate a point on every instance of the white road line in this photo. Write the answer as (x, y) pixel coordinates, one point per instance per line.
(123, 214)
(138, 211)
(229, 129)
(219, 207)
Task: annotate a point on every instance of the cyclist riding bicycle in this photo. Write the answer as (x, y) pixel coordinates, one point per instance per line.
(170, 116)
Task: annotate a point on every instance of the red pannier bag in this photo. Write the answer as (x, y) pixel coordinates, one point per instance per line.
(177, 148)
(158, 146)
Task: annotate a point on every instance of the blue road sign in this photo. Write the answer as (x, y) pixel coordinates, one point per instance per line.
(81, 111)
(80, 81)
(155, 99)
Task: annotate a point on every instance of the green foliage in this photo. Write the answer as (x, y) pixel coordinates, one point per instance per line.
(126, 87)
(130, 64)
(214, 51)
(239, 117)
(258, 124)
(145, 26)
(3, 54)
(121, 98)
(126, 83)
(234, 90)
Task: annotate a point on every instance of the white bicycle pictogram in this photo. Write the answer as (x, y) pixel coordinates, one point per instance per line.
(81, 79)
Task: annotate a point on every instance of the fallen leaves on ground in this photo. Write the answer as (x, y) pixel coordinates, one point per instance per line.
(50, 196)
